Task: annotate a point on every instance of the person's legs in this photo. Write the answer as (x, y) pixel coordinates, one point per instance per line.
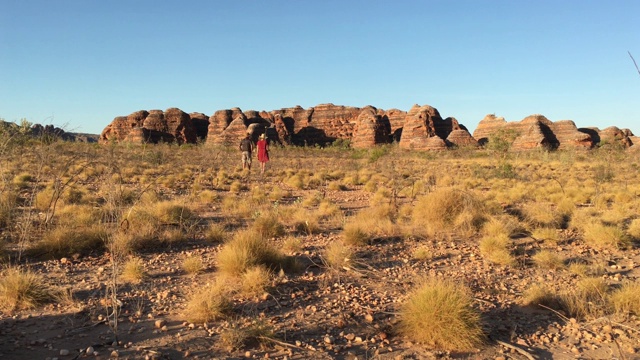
(246, 160)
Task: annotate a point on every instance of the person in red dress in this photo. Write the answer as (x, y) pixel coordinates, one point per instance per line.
(263, 152)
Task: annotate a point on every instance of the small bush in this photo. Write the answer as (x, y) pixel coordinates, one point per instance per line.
(216, 233)
(626, 300)
(67, 241)
(549, 260)
(22, 289)
(192, 264)
(210, 303)
(22, 180)
(338, 256)
(634, 229)
(245, 250)
(440, 314)
(8, 201)
(542, 215)
(255, 281)
(602, 236)
(233, 338)
(133, 271)
(44, 199)
(497, 249)
(588, 299)
(500, 226)
(78, 215)
(268, 226)
(295, 182)
(236, 187)
(355, 234)
(448, 209)
(292, 244)
(337, 186)
(172, 213)
(304, 222)
(540, 294)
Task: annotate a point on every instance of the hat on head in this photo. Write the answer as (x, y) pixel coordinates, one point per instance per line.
(263, 136)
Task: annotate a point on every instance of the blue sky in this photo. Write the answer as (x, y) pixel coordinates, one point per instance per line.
(80, 63)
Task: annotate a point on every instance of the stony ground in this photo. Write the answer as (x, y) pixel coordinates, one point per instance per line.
(318, 314)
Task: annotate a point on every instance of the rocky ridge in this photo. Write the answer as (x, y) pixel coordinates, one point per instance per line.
(421, 128)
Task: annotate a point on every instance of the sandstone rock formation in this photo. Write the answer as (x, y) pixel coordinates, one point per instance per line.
(395, 118)
(532, 132)
(569, 137)
(200, 123)
(421, 128)
(535, 132)
(423, 123)
(461, 138)
(327, 123)
(487, 126)
(531, 135)
(179, 126)
(232, 134)
(615, 137)
(371, 129)
(172, 125)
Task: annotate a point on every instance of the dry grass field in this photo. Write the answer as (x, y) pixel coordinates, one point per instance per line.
(171, 252)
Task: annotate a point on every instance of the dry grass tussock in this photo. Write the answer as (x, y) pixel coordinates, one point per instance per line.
(211, 302)
(192, 264)
(133, 271)
(540, 294)
(449, 209)
(376, 221)
(626, 300)
(497, 249)
(550, 260)
(338, 256)
(440, 314)
(23, 289)
(67, 241)
(248, 249)
(255, 281)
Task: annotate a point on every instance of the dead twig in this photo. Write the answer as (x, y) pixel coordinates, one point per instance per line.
(282, 343)
(555, 312)
(519, 350)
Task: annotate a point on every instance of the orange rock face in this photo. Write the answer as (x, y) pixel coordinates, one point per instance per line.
(535, 132)
(462, 138)
(423, 123)
(615, 136)
(569, 137)
(421, 128)
(371, 129)
(488, 126)
(327, 123)
(232, 134)
(396, 119)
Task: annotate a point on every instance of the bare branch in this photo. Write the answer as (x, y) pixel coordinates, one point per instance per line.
(634, 61)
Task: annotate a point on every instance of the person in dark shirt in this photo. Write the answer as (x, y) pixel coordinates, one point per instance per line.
(246, 147)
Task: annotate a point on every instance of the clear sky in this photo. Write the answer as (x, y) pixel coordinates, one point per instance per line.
(80, 63)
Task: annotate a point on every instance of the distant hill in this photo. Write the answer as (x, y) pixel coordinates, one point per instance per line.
(46, 130)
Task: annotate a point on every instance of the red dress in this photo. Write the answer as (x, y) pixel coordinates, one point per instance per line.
(263, 150)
